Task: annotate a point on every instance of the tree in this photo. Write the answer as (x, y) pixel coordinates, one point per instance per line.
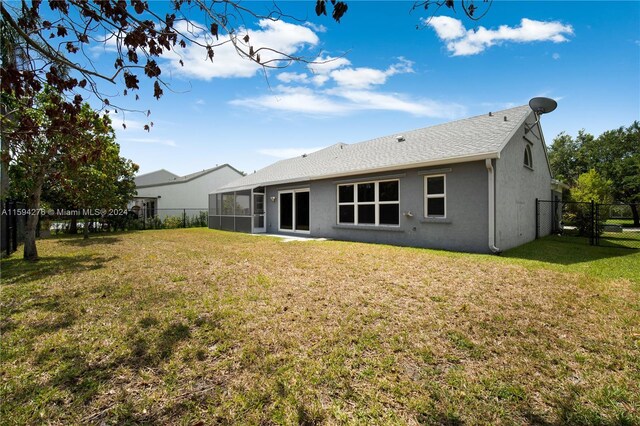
(565, 159)
(105, 183)
(46, 154)
(590, 187)
(614, 155)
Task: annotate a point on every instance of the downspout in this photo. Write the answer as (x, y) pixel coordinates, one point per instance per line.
(492, 207)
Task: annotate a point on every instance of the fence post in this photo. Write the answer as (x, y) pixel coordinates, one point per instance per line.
(8, 229)
(14, 228)
(596, 225)
(184, 218)
(537, 218)
(592, 236)
(38, 227)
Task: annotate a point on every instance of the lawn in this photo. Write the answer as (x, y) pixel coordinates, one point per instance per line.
(196, 327)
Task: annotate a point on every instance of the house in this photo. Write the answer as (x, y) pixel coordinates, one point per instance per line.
(162, 193)
(467, 185)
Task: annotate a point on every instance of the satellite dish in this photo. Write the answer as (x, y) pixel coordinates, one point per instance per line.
(542, 105)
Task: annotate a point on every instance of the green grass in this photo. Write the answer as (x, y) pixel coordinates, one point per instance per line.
(622, 222)
(198, 326)
(573, 254)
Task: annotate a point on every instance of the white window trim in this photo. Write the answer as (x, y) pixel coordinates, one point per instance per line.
(376, 202)
(293, 207)
(427, 196)
(527, 150)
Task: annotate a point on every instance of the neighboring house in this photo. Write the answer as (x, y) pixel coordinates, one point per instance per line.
(163, 193)
(468, 185)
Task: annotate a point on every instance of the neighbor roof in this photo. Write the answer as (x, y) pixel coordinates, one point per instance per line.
(164, 177)
(468, 139)
(152, 178)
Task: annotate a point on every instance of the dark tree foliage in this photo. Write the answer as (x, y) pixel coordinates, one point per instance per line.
(614, 155)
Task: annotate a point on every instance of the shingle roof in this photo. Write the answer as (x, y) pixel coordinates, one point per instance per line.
(163, 177)
(449, 142)
(154, 177)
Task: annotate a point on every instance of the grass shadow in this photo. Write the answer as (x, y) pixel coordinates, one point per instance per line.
(565, 250)
(18, 271)
(149, 346)
(91, 241)
(571, 254)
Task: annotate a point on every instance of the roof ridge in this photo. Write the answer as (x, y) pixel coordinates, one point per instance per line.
(466, 139)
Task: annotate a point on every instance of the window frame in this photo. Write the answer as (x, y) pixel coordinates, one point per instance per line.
(376, 203)
(528, 154)
(428, 196)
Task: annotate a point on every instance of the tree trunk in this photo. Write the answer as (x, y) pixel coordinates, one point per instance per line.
(73, 226)
(33, 205)
(4, 158)
(634, 212)
(85, 231)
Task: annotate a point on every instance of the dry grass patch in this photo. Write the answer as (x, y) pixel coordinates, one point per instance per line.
(202, 327)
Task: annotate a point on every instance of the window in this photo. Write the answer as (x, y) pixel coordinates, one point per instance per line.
(528, 161)
(369, 203)
(435, 196)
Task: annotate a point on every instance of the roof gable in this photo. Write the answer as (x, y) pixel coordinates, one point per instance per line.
(163, 177)
(155, 177)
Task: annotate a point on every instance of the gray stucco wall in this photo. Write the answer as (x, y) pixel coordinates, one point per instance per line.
(464, 229)
(517, 188)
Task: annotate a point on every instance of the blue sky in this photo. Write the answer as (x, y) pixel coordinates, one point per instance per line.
(389, 77)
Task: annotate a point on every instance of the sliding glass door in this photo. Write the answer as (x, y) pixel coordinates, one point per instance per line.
(293, 210)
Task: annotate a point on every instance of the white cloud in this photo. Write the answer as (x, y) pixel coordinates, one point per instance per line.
(278, 35)
(298, 99)
(369, 100)
(360, 78)
(446, 27)
(288, 152)
(319, 28)
(341, 101)
(108, 45)
(556, 56)
(349, 90)
(319, 80)
(323, 65)
(463, 42)
(364, 78)
(288, 77)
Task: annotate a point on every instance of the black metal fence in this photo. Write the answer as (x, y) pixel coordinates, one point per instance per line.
(13, 217)
(63, 221)
(610, 225)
